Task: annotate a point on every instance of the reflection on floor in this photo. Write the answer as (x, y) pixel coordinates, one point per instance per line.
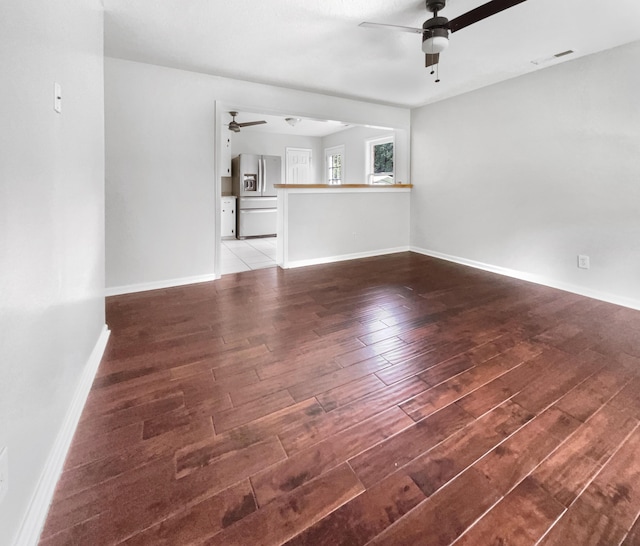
(244, 255)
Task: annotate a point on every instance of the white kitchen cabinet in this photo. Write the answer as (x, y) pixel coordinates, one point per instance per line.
(228, 216)
(225, 158)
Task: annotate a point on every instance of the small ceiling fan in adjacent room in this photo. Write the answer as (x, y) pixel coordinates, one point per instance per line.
(435, 31)
(235, 126)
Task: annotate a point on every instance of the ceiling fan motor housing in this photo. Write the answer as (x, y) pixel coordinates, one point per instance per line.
(435, 6)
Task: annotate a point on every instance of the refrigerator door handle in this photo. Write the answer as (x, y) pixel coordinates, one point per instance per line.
(264, 175)
(260, 174)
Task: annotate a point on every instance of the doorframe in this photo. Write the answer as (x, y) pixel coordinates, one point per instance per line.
(222, 108)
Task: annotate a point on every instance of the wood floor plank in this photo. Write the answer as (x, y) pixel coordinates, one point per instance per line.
(615, 491)
(91, 428)
(370, 351)
(227, 419)
(583, 525)
(323, 383)
(307, 355)
(201, 389)
(197, 454)
(521, 376)
(192, 458)
(134, 455)
(137, 500)
(559, 380)
(202, 520)
(565, 473)
(378, 462)
(628, 399)
(446, 370)
(404, 370)
(486, 397)
(514, 459)
(83, 508)
(583, 401)
(178, 420)
(337, 449)
(532, 363)
(441, 519)
(454, 388)
(633, 537)
(86, 451)
(290, 514)
(349, 392)
(314, 430)
(520, 518)
(244, 394)
(438, 466)
(98, 408)
(412, 350)
(365, 516)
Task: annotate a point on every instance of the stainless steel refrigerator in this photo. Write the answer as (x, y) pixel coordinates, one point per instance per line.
(253, 180)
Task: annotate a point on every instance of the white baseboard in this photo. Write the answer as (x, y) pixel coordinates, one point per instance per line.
(344, 257)
(170, 283)
(36, 515)
(537, 279)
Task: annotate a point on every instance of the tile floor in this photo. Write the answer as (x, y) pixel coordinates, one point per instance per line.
(244, 255)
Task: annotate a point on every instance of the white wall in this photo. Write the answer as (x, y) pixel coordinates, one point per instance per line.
(160, 174)
(161, 207)
(354, 141)
(319, 226)
(529, 173)
(247, 142)
(51, 229)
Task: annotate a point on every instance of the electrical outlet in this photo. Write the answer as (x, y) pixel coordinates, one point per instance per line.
(4, 472)
(583, 262)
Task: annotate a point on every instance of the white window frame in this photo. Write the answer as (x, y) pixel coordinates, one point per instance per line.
(370, 145)
(329, 152)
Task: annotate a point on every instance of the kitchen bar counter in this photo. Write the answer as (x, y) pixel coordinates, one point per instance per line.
(339, 186)
(321, 223)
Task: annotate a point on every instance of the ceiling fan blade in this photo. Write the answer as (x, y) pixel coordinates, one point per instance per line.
(430, 60)
(482, 12)
(392, 27)
(250, 123)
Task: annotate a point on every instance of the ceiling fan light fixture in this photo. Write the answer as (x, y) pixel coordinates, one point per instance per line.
(435, 41)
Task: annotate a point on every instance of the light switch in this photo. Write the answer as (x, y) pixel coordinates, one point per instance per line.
(583, 262)
(57, 97)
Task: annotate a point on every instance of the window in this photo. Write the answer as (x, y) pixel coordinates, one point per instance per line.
(334, 161)
(380, 160)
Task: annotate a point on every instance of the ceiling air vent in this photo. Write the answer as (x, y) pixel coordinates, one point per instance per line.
(567, 52)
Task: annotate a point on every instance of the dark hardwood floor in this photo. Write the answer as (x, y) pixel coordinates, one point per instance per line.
(395, 400)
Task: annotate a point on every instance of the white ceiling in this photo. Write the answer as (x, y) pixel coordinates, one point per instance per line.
(318, 46)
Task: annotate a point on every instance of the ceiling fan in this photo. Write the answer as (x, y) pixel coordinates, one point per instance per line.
(435, 31)
(235, 126)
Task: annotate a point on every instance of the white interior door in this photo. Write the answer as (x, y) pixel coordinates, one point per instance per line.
(298, 166)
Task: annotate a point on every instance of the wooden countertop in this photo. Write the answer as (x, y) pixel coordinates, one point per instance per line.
(338, 186)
